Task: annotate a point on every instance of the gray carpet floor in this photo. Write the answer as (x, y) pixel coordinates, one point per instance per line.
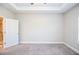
(38, 49)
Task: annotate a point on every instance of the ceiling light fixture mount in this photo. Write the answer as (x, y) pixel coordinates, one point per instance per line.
(32, 3)
(44, 3)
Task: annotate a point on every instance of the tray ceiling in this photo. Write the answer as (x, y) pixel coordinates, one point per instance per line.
(39, 7)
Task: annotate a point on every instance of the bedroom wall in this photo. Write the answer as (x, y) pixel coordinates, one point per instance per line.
(71, 27)
(47, 27)
(6, 13)
(41, 27)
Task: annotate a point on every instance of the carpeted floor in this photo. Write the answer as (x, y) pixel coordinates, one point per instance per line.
(38, 49)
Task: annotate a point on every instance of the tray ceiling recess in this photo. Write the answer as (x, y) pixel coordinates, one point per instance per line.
(39, 7)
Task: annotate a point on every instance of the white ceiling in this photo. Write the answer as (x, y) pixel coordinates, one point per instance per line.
(39, 7)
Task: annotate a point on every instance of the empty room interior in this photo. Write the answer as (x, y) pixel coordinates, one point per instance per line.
(39, 29)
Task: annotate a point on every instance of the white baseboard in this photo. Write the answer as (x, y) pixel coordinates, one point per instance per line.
(41, 42)
(77, 51)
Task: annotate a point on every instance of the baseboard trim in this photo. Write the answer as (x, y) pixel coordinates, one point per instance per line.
(41, 42)
(77, 51)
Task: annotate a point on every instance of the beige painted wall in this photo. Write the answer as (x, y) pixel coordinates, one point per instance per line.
(41, 27)
(71, 27)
